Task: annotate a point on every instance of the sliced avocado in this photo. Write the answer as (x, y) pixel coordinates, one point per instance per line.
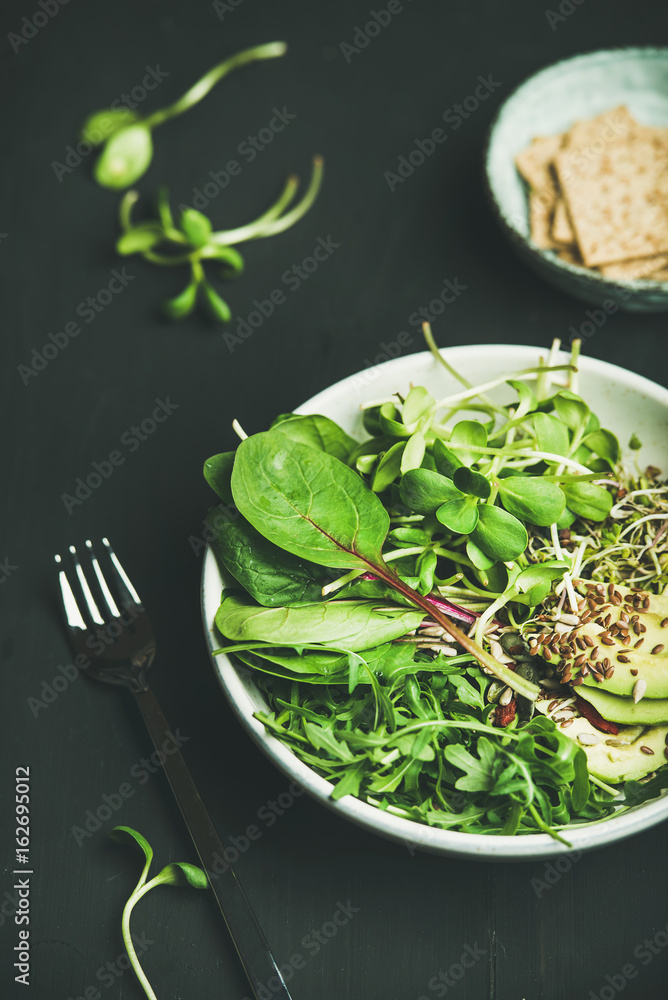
(607, 759)
(651, 667)
(647, 712)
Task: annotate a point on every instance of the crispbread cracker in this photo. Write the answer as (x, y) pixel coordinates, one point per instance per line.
(639, 267)
(540, 221)
(562, 231)
(617, 198)
(661, 275)
(571, 255)
(534, 162)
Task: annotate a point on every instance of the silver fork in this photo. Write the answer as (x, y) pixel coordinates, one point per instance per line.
(111, 629)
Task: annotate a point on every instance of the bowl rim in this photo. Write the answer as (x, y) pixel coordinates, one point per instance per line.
(617, 286)
(415, 835)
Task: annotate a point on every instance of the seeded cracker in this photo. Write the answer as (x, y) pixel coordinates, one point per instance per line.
(614, 176)
(534, 164)
(562, 231)
(640, 267)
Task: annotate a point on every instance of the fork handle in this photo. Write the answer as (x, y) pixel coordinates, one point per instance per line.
(255, 954)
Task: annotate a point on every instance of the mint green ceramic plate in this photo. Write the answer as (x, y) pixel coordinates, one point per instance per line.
(548, 103)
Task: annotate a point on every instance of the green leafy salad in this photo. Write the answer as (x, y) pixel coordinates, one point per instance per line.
(459, 619)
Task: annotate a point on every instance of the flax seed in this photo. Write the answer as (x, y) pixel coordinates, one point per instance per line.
(594, 653)
(658, 649)
(578, 661)
(664, 623)
(633, 671)
(622, 658)
(569, 722)
(581, 644)
(647, 750)
(607, 641)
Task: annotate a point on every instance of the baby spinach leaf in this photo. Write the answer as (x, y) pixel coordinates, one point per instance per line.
(499, 534)
(532, 499)
(308, 502)
(352, 625)
(587, 500)
(272, 576)
(424, 491)
(317, 432)
(218, 472)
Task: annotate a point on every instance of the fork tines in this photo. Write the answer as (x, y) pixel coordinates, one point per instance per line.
(102, 606)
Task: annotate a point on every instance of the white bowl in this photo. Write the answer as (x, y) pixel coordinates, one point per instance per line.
(550, 102)
(624, 402)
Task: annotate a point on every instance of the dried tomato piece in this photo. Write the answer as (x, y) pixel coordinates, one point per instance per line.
(592, 715)
(505, 714)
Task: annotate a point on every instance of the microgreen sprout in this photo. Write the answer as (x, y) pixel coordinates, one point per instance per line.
(126, 138)
(177, 873)
(192, 241)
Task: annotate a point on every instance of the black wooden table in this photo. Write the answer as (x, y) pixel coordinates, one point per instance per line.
(88, 367)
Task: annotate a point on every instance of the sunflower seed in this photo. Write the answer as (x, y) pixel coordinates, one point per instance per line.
(639, 689)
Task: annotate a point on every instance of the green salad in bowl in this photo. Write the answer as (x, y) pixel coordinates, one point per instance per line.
(434, 595)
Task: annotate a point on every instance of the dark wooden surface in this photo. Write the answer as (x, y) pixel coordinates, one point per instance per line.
(528, 930)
